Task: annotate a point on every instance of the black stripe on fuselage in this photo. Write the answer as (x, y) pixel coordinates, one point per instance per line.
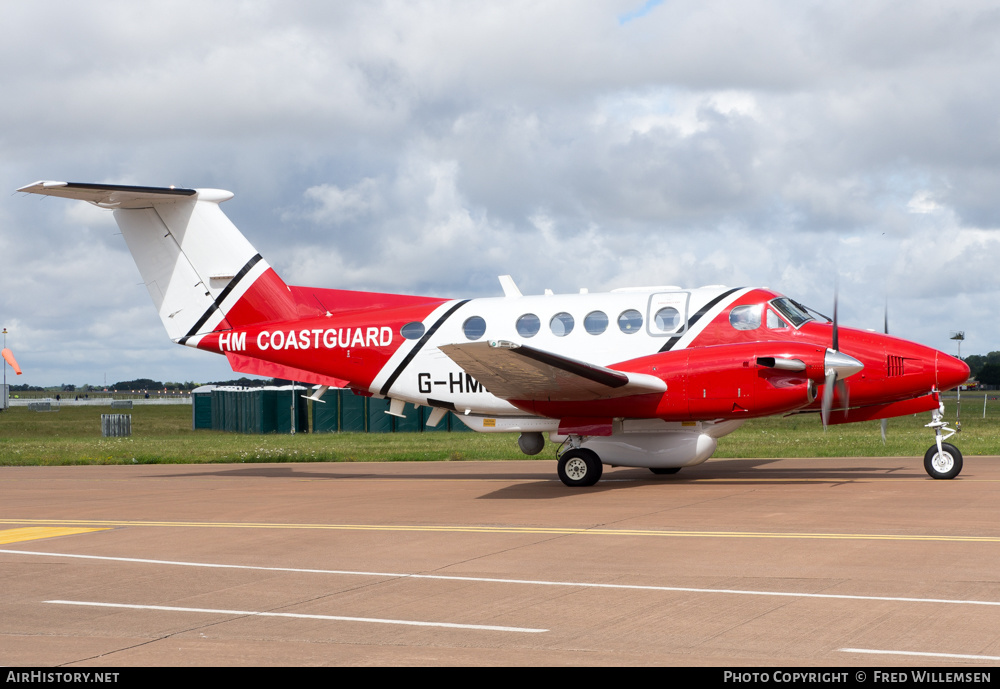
(695, 318)
(216, 305)
(417, 347)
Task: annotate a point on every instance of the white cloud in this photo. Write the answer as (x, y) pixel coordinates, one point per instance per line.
(923, 202)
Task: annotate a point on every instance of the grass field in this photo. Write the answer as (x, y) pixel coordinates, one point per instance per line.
(162, 434)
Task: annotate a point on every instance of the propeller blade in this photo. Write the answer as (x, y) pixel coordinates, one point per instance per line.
(831, 379)
(836, 291)
(845, 395)
(886, 319)
(885, 425)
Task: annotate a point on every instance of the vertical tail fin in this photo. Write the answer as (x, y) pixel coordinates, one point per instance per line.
(201, 272)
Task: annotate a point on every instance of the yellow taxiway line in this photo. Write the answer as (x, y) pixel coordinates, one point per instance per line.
(32, 533)
(97, 524)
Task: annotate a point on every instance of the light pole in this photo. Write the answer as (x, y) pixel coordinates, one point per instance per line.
(6, 394)
(958, 336)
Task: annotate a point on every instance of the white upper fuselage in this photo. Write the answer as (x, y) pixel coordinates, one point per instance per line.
(431, 375)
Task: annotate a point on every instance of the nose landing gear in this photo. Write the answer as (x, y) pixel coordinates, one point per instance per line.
(942, 460)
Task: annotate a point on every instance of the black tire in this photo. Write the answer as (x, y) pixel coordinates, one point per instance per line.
(662, 470)
(944, 465)
(580, 467)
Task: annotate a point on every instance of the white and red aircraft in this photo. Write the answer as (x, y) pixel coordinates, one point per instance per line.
(642, 377)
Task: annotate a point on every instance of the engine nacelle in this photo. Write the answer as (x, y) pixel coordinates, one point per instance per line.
(734, 381)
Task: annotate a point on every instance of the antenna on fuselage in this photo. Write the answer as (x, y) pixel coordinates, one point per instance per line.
(509, 287)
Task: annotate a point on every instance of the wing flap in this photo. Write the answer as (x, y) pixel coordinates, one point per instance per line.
(519, 372)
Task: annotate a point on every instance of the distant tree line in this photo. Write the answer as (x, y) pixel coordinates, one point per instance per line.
(150, 385)
(985, 368)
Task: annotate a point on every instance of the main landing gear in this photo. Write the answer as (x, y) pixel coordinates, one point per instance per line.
(579, 466)
(942, 460)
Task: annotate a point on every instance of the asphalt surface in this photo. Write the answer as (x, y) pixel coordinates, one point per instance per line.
(793, 562)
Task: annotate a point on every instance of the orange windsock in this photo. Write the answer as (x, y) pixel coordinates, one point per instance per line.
(9, 358)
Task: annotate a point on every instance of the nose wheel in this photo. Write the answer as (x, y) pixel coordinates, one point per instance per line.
(945, 462)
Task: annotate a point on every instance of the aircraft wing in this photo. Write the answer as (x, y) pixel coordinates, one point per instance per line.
(519, 372)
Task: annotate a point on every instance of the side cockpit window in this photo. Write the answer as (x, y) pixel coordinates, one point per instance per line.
(745, 317)
(774, 320)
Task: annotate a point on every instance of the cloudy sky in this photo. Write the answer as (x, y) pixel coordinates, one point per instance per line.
(427, 147)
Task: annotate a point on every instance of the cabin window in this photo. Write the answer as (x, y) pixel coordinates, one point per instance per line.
(630, 322)
(561, 324)
(745, 317)
(596, 322)
(528, 325)
(667, 319)
(412, 331)
(474, 327)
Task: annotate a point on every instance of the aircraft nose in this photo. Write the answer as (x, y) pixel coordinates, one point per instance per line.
(951, 372)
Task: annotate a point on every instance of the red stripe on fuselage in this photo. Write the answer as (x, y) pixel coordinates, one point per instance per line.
(353, 345)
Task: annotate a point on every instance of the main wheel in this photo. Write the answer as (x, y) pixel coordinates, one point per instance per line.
(580, 467)
(662, 470)
(944, 464)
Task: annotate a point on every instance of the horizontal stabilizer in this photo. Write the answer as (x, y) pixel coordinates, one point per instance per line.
(110, 195)
(519, 372)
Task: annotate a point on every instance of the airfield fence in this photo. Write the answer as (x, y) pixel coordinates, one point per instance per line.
(43, 406)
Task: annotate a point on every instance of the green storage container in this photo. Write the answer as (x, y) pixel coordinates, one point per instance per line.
(412, 420)
(378, 420)
(287, 404)
(425, 413)
(201, 410)
(353, 412)
(326, 414)
(455, 424)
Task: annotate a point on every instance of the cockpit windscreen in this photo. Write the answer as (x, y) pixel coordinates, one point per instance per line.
(793, 311)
